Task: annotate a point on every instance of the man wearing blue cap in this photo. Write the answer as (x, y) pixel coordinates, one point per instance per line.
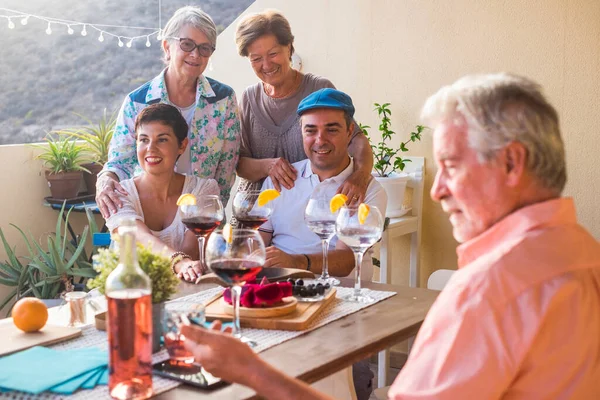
(327, 125)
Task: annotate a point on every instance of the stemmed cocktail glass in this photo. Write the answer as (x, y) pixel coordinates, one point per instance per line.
(202, 218)
(321, 221)
(235, 256)
(359, 231)
(247, 211)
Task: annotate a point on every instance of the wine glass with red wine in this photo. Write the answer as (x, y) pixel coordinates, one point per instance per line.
(247, 211)
(236, 258)
(202, 218)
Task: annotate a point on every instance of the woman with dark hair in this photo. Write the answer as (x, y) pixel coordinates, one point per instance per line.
(161, 137)
(209, 108)
(271, 136)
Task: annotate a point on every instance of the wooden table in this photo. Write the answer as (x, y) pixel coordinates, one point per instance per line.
(326, 350)
(337, 345)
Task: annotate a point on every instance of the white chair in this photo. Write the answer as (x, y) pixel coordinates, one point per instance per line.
(439, 279)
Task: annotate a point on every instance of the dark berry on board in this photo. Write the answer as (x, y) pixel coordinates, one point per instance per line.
(300, 282)
(327, 285)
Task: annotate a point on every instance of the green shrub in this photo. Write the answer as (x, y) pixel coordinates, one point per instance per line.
(156, 266)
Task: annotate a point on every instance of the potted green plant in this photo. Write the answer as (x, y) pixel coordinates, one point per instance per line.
(96, 137)
(388, 162)
(46, 272)
(63, 159)
(156, 266)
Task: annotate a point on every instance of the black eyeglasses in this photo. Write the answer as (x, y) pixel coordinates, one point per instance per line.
(188, 45)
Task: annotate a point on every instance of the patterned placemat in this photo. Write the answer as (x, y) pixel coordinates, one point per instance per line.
(265, 338)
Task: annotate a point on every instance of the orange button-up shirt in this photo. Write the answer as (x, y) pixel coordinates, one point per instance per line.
(520, 319)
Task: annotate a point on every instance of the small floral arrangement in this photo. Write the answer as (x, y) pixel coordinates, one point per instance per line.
(156, 266)
(264, 294)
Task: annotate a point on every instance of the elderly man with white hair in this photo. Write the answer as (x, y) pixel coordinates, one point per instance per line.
(520, 319)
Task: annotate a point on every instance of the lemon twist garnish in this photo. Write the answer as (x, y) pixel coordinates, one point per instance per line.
(266, 196)
(337, 202)
(228, 233)
(186, 199)
(363, 213)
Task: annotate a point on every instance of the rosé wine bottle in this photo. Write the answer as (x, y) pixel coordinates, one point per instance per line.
(128, 292)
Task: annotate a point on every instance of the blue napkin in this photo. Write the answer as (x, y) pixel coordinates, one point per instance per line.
(70, 386)
(92, 382)
(39, 368)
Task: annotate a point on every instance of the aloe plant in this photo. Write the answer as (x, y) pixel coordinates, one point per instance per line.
(62, 155)
(97, 135)
(45, 272)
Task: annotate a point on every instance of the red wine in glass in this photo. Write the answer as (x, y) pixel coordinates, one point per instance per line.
(235, 272)
(201, 226)
(251, 221)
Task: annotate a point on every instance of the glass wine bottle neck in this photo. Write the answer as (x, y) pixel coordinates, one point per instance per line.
(128, 254)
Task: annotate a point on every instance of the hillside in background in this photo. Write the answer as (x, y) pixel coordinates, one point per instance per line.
(45, 79)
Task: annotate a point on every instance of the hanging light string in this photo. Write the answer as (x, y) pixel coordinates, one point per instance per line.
(122, 40)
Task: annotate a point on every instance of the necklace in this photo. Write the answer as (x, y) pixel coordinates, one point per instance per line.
(292, 88)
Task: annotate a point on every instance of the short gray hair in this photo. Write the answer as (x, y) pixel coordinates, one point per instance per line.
(195, 17)
(500, 109)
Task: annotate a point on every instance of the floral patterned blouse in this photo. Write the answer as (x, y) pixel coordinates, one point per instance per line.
(214, 135)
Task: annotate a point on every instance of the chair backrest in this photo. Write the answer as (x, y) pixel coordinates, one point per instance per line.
(439, 279)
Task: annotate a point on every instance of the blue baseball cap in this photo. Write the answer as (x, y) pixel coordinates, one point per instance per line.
(327, 98)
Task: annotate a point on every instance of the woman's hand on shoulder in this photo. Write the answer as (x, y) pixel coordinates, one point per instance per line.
(355, 187)
(108, 190)
(282, 173)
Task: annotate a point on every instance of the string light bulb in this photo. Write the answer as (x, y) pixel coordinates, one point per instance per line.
(71, 26)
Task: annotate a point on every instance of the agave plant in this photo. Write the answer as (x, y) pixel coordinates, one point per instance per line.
(46, 272)
(97, 135)
(62, 155)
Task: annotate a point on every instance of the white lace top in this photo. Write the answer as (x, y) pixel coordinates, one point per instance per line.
(173, 234)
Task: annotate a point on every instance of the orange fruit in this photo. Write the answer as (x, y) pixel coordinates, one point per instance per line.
(337, 202)
(30, 314)
(186, 199)
(363, 213)
(228, 233)
(266, 196)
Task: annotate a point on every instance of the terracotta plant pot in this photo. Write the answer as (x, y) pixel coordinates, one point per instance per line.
(64, 185)
(91, 178)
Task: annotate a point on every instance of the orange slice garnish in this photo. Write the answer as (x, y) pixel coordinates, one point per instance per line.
(337, 202)
(186, 199)
(266, 196)
(363, 213)
(228, 233)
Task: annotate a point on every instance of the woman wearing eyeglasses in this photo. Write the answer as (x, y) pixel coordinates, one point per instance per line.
(209, 107)
(271, 135)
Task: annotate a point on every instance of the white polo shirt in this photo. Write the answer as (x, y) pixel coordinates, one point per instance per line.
(290, 232)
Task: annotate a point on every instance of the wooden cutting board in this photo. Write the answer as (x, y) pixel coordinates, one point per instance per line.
(272, 274)
(14, 339)
(299, 320)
